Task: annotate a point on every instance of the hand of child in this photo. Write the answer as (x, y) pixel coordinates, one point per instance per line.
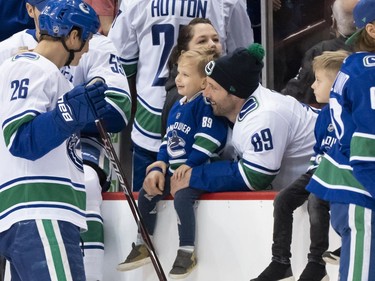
(180, 171)
(162, 165)
(155, 178)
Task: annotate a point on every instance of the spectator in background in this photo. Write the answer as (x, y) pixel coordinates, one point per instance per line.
(198, 33)
(343, 26)
(272, 134)
(194, 136)
(13, 17)
(144, 33)
(106, 10)
(253, 10)
(326, 67)
(345, 176)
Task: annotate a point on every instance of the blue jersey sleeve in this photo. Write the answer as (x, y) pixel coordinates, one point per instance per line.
(361, 95)
(218, 177)
(352, 106)
(210, 135)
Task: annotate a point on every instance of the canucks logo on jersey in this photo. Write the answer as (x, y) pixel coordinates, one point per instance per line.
(73, 147)
(30, 56)
(250, 105)
(176, 145)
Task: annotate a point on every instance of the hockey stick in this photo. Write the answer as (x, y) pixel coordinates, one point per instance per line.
(130, 198)
(111, 153)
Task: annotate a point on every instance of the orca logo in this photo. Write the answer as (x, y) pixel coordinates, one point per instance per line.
(84, 8)
(209, 68)
(369, 61)
(73, 148)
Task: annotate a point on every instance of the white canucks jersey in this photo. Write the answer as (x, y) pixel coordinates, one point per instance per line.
(102, 60)
(50, 186)
(274, 137)
(144, 33)
(19, 42)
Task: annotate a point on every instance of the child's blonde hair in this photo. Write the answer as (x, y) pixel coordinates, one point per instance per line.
(330, 61)
(201, 56)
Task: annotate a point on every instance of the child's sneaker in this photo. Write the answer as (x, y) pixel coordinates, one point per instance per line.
(184, 263)
(276, 272)
(138, 256)
(314, 272)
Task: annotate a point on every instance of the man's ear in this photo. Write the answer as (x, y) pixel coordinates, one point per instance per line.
(370, 29)
(73, 40)
(204, 83)
(30, 10)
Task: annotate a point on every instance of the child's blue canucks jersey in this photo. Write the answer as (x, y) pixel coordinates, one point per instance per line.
(194, 134)
(325, 137)
(346, 173)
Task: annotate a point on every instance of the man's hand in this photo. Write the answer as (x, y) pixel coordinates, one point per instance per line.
(183, 182)
(180, 171)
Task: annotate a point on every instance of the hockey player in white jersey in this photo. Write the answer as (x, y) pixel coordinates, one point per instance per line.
(273, 134)
(40, 118)
(101, 60)
(144, 33)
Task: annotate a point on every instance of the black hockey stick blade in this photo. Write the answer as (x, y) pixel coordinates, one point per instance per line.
(111, 153)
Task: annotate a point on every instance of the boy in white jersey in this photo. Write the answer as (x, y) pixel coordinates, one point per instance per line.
(144, 33)
(272, 134)
(39, 226)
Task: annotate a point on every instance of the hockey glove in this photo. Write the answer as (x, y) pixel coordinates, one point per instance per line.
(80, 106)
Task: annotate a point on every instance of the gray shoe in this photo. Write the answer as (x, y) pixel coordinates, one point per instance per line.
(183, 265)
(138, 256)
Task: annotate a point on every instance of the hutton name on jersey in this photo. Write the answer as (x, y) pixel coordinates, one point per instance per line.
(187, 8)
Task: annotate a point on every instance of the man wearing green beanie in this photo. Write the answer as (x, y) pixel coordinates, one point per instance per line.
(272, 134)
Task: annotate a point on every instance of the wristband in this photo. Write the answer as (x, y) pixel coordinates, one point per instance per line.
(156, 169)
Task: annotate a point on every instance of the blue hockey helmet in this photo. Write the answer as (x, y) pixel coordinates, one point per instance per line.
(39, 4)
(60, 16)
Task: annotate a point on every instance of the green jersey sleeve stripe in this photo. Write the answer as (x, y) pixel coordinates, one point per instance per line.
(256, 180)
(362, 147)
(13, 126)
(333, 175)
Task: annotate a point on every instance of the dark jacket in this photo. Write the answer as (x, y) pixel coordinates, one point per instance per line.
(171, 97)
(300, 86)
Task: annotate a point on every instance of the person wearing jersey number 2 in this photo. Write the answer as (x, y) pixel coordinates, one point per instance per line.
(144, 32)
(41, 118)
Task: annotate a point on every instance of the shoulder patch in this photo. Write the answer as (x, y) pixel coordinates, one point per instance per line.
(30, 56)
(250, 105)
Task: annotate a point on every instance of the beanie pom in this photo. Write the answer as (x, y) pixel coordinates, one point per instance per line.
(257, 51)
